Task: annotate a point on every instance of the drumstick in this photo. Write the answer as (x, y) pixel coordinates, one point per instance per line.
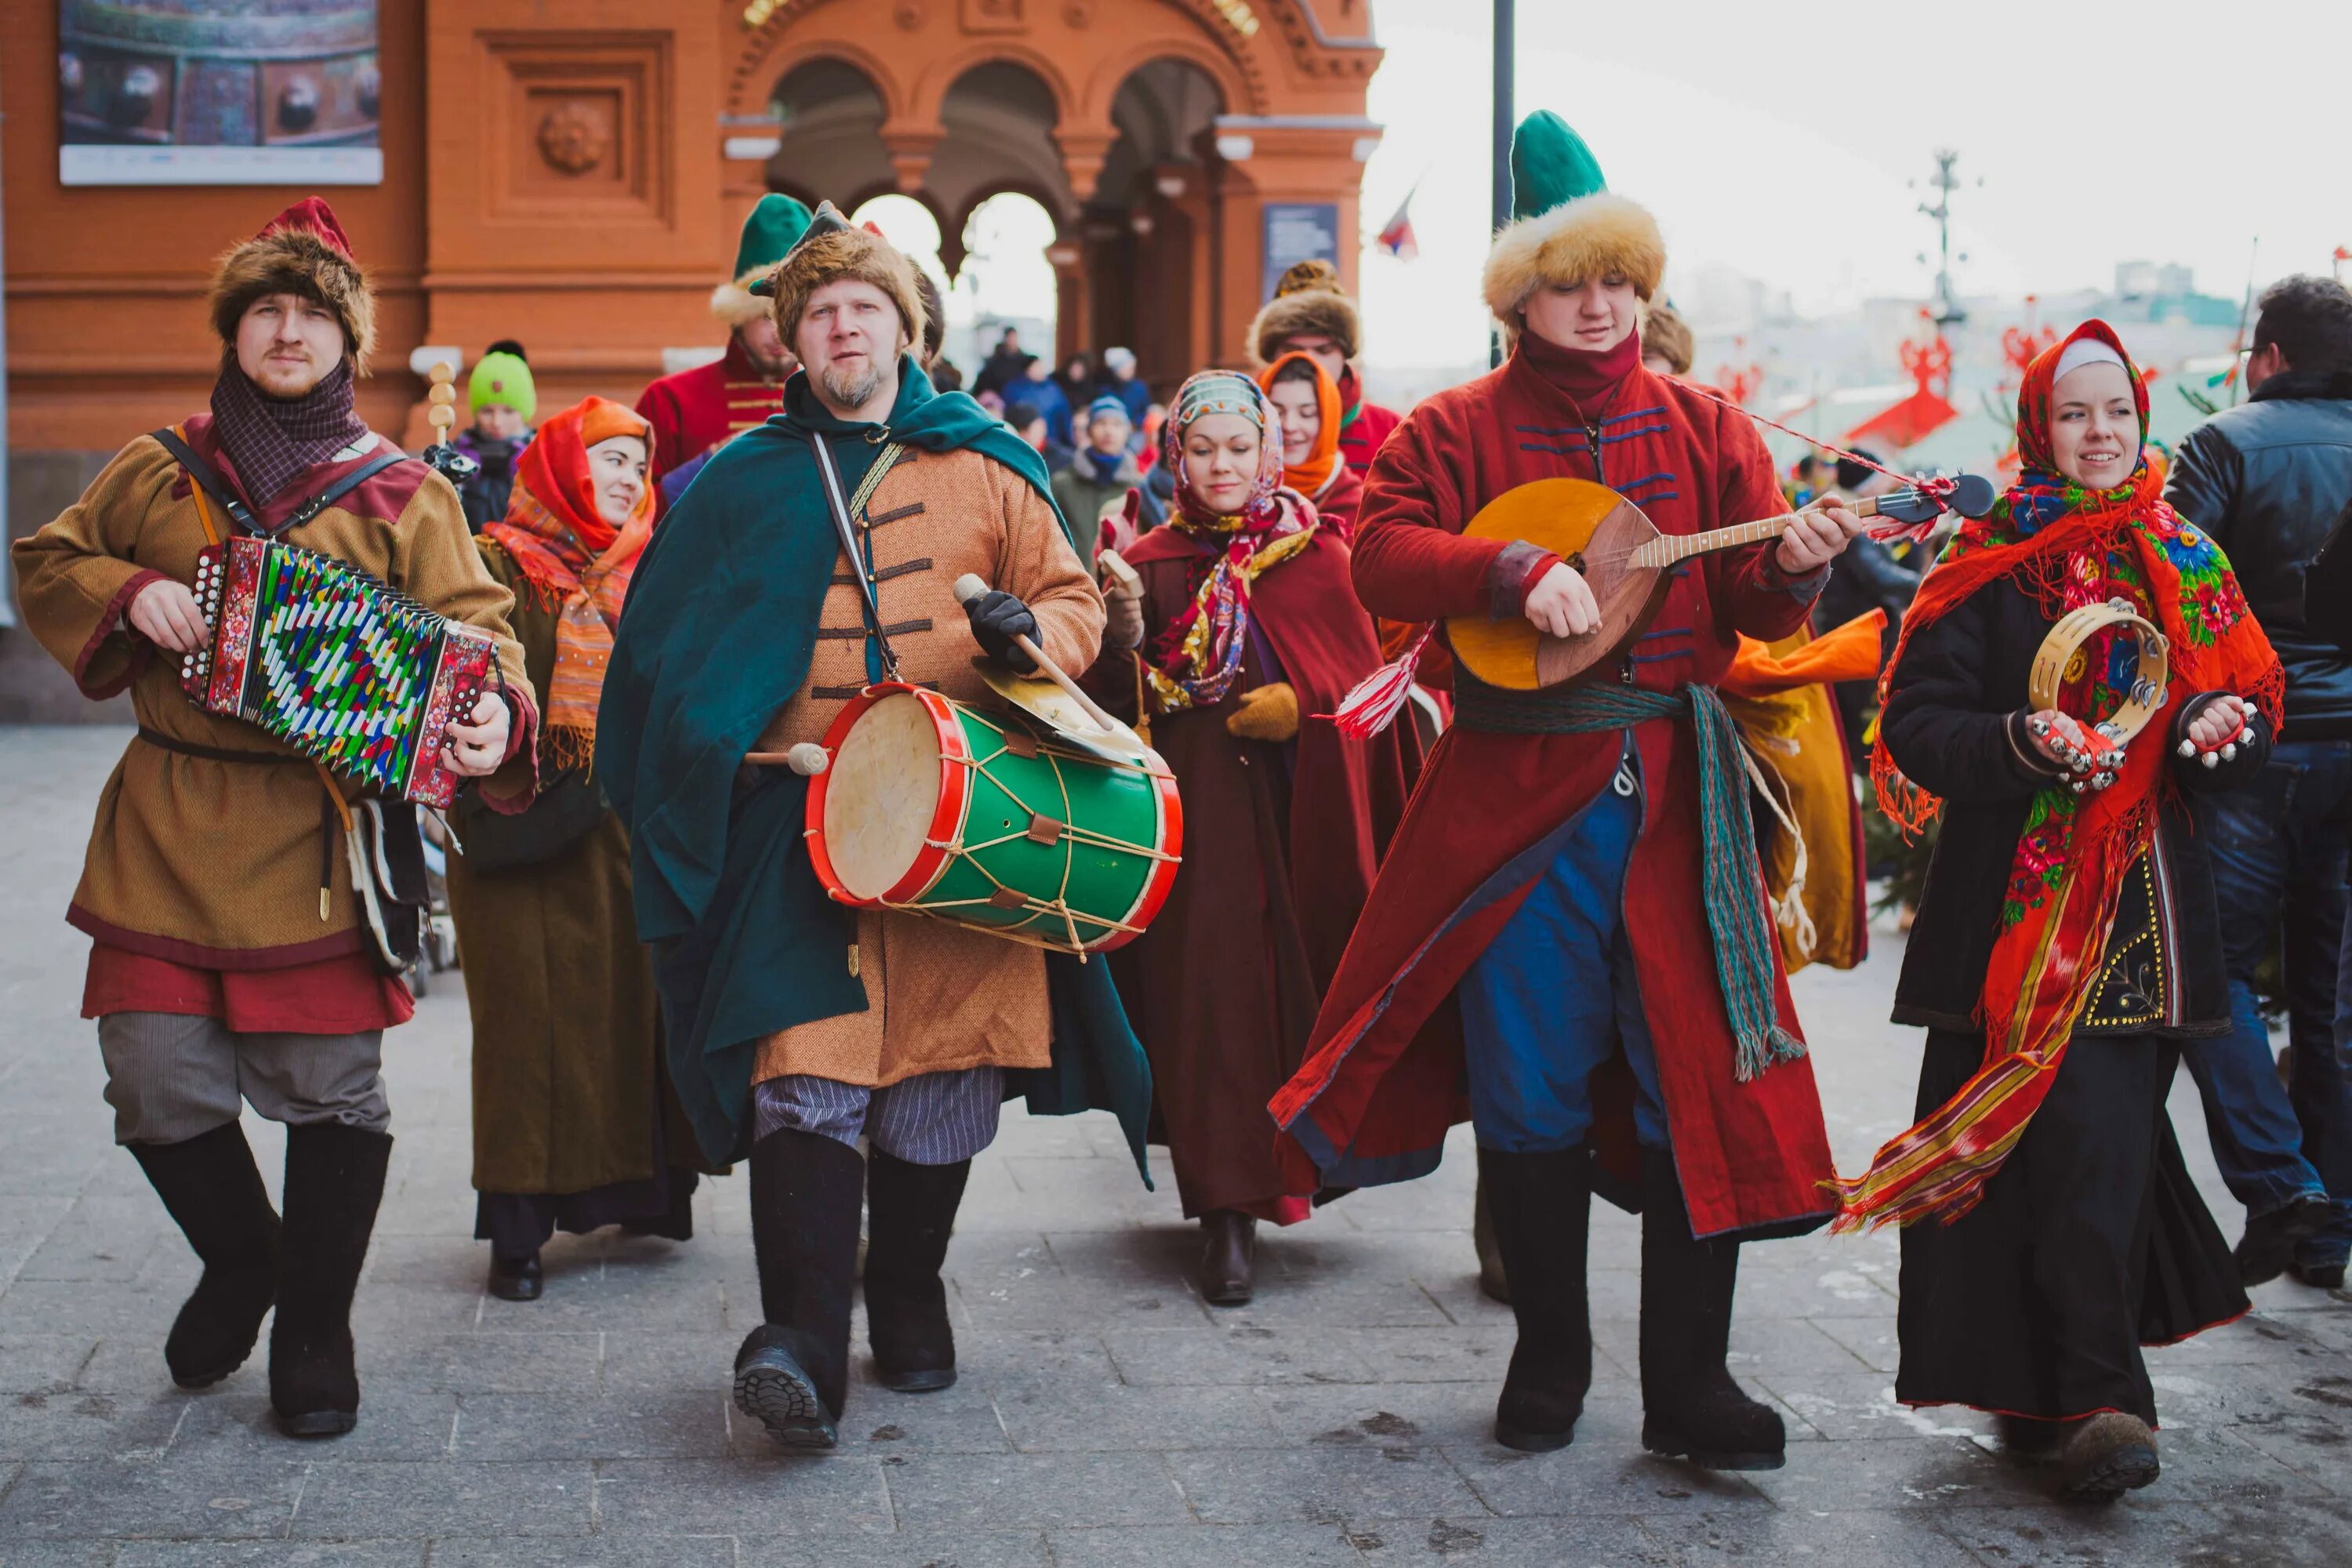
(807, 759)
(969, 587)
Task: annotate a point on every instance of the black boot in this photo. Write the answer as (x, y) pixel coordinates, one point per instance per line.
(793, 1374)
(1691, 1407)
(212, 1188)
(912, 1213)
(1228, 1257)
(334, 1183)
(1541, 1210)
(516, 1279)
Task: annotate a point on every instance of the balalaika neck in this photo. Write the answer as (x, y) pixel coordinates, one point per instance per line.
(1668, 548)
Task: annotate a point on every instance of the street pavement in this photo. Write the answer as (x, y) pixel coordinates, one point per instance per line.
(1104, 1415)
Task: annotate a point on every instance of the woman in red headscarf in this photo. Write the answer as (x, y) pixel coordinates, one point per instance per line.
(1308, 403)
(1250, 637)
(574, 1126)
(2068, 939)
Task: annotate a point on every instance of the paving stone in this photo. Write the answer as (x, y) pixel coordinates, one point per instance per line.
(1391, 1415)
(57, 1553)
(1851, 1405)
(1410, 1356)
(2282, 1532)
(1816, 1538)
(1206, 1546)
(270, 1555)
(483, 1363)
(1870, 1340)
(958, 1420)
(1014, 1491)
(1589, 1541)
(767, 1496)
(1056, 1415)
(1331, 1484)
(234, 1419)
(102, 1241)
(1934, 1473)
(1603, 1471)
(606, 1551)
(1250, 1353)
(520, 1497)
(677, 1423)
(167, 1498)
(2128, 1534)
(81, 1425)
(2315, 1446)
(956, 1549)
(635, 1361)
(42, 1364)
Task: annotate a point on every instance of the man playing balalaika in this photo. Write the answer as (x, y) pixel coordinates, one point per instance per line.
(232, 956)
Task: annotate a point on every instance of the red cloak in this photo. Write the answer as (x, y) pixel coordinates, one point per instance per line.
(695, 410)
(1384, 1074)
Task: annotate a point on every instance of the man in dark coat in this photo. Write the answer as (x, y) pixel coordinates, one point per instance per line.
(2267, 479)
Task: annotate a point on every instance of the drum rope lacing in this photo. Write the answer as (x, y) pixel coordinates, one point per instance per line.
(1069, 833)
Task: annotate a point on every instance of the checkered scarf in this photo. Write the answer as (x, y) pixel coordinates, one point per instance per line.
(271, 441)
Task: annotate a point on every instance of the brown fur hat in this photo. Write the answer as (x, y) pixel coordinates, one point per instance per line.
(1306, 299)
(1593, 234)
(303, 250)
(1665, 334)
(833, 250)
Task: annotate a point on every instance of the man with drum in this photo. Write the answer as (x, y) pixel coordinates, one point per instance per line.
(1544, 915)
(231, 956)
(797, 1027)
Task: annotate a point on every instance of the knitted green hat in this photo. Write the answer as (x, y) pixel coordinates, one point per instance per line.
(1550, 165)
(775, 226)
(501, 377)
(1566, 225)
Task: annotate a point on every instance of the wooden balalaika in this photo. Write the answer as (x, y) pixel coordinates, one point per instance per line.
(1629, 565)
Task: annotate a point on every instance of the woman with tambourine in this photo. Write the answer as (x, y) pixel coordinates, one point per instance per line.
(2074, 663)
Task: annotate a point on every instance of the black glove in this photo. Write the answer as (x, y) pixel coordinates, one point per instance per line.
(996, 619)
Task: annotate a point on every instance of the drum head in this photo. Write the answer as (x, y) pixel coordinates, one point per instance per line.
(883, 792)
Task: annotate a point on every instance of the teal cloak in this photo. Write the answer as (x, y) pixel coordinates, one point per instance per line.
(720, 622)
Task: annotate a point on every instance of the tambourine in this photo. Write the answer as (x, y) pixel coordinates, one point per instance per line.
(2094, 751)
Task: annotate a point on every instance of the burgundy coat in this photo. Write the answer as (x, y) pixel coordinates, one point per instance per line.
(1281, 844)
(1384, 1074)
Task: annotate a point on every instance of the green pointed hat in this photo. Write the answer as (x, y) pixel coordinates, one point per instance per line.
(1566, 225)
(1550, 166)
(775, 226)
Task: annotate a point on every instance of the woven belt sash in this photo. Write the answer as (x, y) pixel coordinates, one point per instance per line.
(1744, 943)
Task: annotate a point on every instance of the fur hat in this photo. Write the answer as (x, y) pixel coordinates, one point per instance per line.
(774, 227)
(1567, 226)
(831, 250)
(303, 250)
(1307, 298)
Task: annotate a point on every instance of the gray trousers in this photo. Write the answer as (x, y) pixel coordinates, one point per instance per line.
(171, 1076)
(931, 1119)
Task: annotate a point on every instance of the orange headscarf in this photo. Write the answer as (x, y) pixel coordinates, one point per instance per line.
(573, 559)
(1309, 478)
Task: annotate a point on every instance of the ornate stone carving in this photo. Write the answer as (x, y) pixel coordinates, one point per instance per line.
(995, 15)
(908, 13)
(574, 137)
(1079, 13)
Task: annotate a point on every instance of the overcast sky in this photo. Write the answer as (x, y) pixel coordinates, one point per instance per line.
(1777, 141)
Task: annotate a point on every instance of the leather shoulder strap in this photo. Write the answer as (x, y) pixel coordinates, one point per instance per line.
(205, 475)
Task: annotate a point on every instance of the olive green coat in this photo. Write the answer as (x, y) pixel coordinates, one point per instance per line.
(567, 1057)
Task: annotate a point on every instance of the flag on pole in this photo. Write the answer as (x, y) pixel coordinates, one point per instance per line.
(1396, 235)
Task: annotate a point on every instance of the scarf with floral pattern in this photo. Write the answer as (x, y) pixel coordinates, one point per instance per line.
(1195, 661)
(2067, 547)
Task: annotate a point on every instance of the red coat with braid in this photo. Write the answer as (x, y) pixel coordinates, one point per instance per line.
(1383, 1077)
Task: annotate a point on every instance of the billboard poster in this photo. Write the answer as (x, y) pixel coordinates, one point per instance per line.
(219, 92)
(1295, 232)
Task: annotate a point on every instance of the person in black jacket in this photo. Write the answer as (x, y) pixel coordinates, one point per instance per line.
(2067, 941)
(2268, 479)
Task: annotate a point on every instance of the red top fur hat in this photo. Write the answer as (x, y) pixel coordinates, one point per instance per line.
(303, 251)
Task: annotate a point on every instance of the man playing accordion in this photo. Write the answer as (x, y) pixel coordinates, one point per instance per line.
(233, 956)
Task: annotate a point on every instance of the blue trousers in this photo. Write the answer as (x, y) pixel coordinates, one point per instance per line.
(1555, 994)
(2280, 851)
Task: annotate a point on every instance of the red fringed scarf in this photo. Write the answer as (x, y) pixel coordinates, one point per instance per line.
(574, 561)
(2067, 548)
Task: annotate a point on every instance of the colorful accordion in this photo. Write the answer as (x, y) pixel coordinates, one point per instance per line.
(346, 669)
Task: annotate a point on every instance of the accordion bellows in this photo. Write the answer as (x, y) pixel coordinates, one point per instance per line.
(349, 671)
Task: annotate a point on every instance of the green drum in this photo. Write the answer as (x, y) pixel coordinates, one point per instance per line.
(994, 821)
